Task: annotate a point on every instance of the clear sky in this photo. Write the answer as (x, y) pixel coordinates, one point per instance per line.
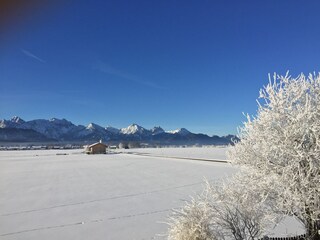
(194, 64)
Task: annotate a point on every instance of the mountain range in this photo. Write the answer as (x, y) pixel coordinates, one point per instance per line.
(62, 130)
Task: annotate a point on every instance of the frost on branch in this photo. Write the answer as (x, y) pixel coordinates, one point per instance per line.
(284, 140)
(241, 208)
(192, 221)
(229, 210)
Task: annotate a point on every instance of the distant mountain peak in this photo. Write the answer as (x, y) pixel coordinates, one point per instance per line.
(93, 126)
(63, 130)
(17, 119)
(157, 130)
(180, 131)
(112, 130)
(133, 129)
(14, 122)
(58, 121)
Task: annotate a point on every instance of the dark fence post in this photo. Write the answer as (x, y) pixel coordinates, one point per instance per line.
(299, 237)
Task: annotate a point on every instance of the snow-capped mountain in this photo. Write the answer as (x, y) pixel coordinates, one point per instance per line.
(180, 131)
(94, 127)
(12, 123)
(17, 120)
(91, 131)
(63, 130)
(53, 128)
(134, 129)
(157, 130)
(112, 130)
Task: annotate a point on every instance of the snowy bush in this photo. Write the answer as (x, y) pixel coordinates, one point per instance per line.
(228, 210)
(192, 221)
(241, 210)
(283, 140)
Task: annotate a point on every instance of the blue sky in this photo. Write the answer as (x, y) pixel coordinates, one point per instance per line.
(192, 64)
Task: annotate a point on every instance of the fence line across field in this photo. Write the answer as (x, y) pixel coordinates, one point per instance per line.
(175, 157)
(299, 237)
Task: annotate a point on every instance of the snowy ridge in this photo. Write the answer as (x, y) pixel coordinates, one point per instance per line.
(181, 131)
(133, 129)
(64, 130)
(17, 120)
(112, 130)
(93, 127)
(157, 130)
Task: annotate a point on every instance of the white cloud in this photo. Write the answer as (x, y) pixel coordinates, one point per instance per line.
(31, 55)
(105, 68)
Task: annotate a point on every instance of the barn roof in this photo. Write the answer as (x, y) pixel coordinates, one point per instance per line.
(97, 143)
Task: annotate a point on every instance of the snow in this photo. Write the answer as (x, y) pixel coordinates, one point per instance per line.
(3, 124)
(93, 126)
(53, 128)
(112, 130)
(181, 131)
(156, 130)
(17, 119)
(13, 122)
(210, 152)
(132, 129)
(65, 194)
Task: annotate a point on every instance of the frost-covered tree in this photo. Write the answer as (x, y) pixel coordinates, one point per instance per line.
(283, 140)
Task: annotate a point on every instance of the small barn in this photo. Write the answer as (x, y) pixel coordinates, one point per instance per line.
(96, 148)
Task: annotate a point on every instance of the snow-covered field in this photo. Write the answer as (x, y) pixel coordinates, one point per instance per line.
(48, 195)
(217, 153)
